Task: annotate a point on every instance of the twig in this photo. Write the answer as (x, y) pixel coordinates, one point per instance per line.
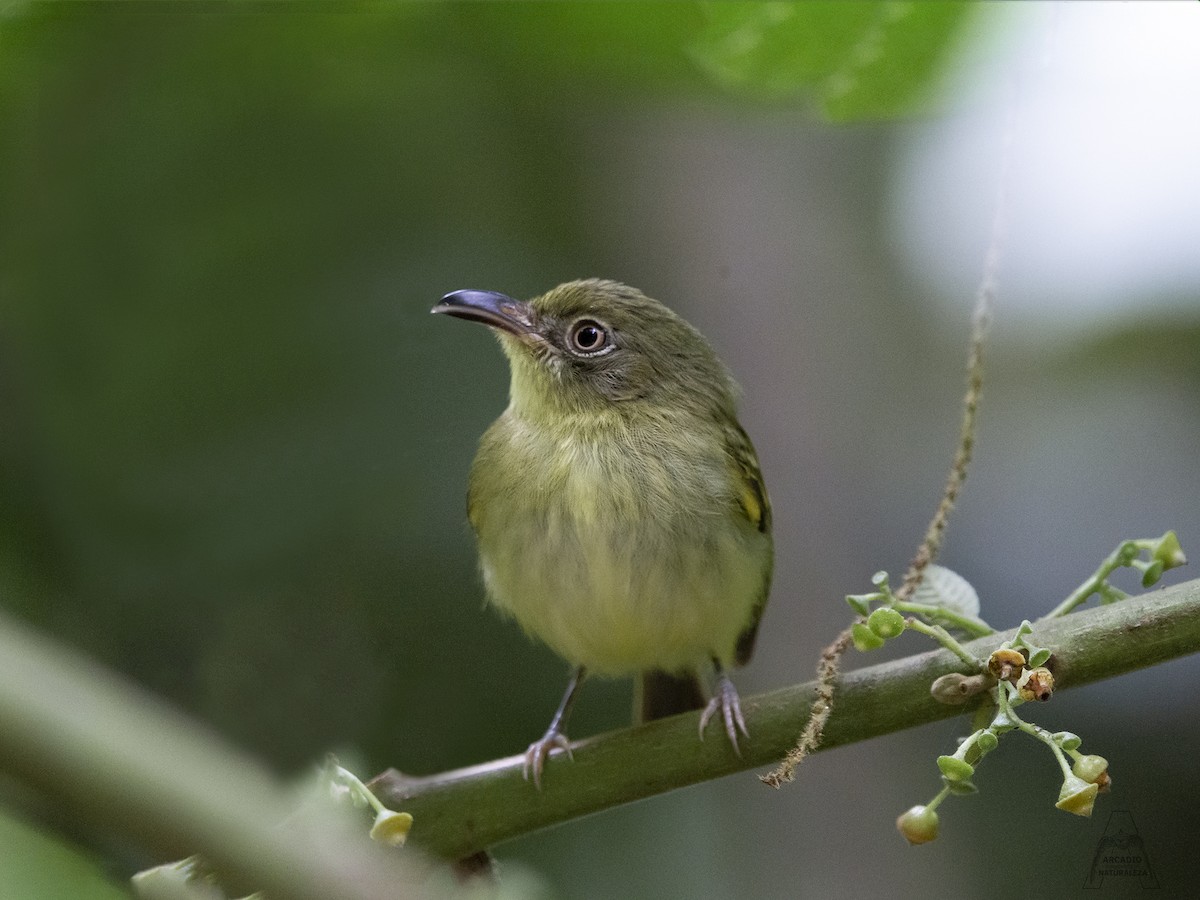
(969, 625)
(927, 552)
(810, 740)
(985, 298)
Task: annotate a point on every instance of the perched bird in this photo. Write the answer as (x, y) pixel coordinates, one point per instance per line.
(619, 508)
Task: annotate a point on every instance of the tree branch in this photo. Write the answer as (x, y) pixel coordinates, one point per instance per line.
(460, 812)
(108, 752)
(112, 754)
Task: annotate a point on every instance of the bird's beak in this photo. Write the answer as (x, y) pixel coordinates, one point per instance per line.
(490, 308)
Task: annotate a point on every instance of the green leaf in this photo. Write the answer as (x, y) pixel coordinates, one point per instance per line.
(37, 866)
(859, 60)
(623, 46)
(12, 7)
(1038, 656)
(947, 589)
(859, 603)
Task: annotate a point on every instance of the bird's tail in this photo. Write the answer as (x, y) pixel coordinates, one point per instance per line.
(660, 694)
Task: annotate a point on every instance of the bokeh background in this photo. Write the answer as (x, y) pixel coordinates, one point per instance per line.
(234, 444)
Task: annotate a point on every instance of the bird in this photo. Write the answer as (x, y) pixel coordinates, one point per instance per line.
(619, 508)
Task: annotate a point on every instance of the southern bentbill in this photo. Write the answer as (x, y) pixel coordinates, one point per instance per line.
(620, 512)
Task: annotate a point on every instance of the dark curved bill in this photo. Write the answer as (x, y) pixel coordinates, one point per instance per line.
(488, 307)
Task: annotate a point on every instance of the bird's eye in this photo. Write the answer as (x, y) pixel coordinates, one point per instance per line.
(589, 337)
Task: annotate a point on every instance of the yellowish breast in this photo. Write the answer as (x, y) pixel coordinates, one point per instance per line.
(621, 556)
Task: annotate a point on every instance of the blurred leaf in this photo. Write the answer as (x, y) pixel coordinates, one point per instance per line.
(640, 46)
(1167, 344)
(859, 60)
(36, 866)
(12, 7)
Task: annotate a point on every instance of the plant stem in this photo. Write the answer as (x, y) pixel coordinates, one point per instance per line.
(1095, 582)
(461, 812)
(106, 752)
(937, 801)
(974, 627)
(943, 637)
(1007, 690)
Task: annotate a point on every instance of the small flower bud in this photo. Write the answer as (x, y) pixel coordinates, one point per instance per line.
(1067, 741)
(860, 603)
(1168, 552)
(1006, 664)
(987, 742)
(955, 689)
(391, 827)
(1038, 684)
(1152, 573)
(885, 622)
(1090, 768)
(919, 825)
(955, 769)
(864, 638)
(1077, 796)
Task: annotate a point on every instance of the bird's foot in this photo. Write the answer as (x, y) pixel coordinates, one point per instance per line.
(725, 698)
(535, 756)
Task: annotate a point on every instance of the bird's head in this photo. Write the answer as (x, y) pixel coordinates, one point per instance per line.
(586, 345)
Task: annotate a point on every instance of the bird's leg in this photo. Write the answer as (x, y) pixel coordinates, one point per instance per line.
(535, 756)
(725, 698)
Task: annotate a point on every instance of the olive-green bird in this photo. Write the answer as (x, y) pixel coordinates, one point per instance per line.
(620, 513)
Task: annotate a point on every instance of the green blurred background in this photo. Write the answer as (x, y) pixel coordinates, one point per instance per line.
(234, 444)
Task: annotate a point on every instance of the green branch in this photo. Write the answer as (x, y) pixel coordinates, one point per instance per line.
(461, 812)
(110, 754)
(113, 756)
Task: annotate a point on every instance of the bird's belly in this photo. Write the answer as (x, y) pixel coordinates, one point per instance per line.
(620, 593)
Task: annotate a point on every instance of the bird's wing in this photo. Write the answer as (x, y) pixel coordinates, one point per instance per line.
(756, 506)
(752, 493)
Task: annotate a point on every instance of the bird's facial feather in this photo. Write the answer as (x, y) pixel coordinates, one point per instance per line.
(602, 342)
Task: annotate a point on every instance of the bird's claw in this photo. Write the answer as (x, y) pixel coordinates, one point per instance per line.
(535, 756)
(725, 698)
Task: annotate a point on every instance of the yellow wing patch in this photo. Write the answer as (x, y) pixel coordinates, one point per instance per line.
(752, 493)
